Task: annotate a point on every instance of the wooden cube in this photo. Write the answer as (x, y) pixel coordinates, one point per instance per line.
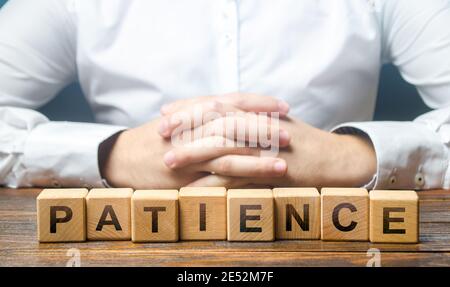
(250, 215)
(154, 216)
(394, 216)
(61, 215)
(109, 214)
(203, 213)
(297, 213)
(345, 214)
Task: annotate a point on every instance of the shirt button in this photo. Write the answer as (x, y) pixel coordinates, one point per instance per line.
(393, 180)
(419, 180)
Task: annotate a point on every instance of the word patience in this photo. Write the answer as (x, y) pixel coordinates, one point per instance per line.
(335, 214)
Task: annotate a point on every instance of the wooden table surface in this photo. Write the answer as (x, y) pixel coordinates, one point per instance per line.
(19, 245)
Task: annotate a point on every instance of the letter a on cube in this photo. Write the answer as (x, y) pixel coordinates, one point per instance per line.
(394, 216)
(61, 215)
(109, 214)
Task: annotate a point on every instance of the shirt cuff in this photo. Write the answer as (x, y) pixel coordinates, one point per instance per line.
(409, 155)
(65, 154)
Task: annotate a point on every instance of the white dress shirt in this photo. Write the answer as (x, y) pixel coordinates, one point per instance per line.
(132, 56)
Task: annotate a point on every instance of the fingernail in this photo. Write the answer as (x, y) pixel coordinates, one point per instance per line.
(285, 137)
(280, 166)
(175, 122)
(163, 127)
(283, 107)
(169, 159)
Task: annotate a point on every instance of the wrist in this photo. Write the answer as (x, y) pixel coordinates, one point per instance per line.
(354, 163)
(111, 159)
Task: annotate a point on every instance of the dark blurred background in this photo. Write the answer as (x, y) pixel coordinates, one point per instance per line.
(397, 100)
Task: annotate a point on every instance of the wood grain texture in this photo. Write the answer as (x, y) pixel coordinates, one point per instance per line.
(203, 213)
(394, 216)
(292, 204)
(154, 216)
(250, 215)
(109, 214)
(61, 215)
(19, 245)
(345, 214)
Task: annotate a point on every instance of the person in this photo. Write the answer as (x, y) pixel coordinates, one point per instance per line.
(315, 64)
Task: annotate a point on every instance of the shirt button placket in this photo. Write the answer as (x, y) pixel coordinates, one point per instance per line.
(229, 74)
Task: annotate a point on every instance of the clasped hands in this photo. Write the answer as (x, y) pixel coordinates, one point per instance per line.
(235, 140)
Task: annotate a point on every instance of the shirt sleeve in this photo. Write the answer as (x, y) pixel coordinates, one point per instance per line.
(416, 39)
(38, 59)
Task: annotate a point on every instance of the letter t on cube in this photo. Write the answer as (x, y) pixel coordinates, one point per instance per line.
(154, 216)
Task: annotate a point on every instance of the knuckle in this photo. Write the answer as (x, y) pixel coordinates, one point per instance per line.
(221, 141)
(213, 133)
(234, 95)
(225, 165)
(206, 98)
(182, 157)
(187, 157)
(236, 98)
(210, 130)
(264, 168)
(215, 106)
(218, 124)
(213, 110)
(241, 150)
(240, 102)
